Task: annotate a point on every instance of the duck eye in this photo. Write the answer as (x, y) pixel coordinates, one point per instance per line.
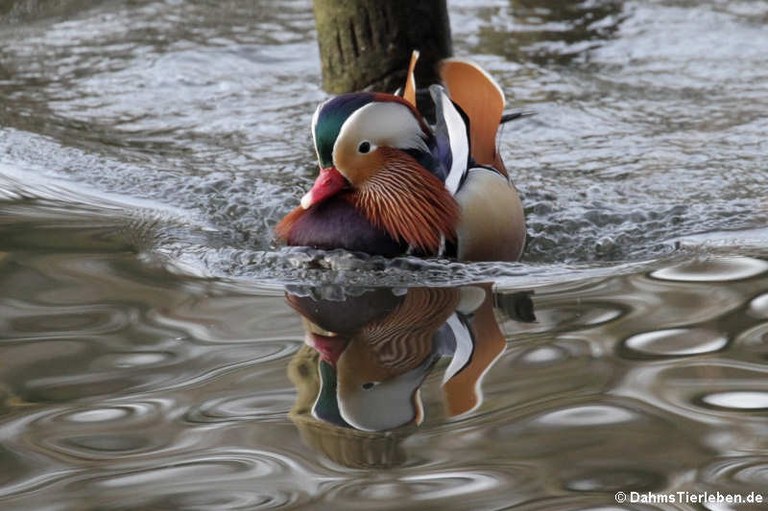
(364, 147)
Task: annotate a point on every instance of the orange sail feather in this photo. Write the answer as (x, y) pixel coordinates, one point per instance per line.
(482, 100)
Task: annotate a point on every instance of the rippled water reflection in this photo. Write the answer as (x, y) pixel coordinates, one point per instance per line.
(129, 387)
(156, 352)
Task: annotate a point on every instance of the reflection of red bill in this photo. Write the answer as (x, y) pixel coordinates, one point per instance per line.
(330, 348)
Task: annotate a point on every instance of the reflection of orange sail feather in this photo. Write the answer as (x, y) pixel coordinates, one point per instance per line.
(462, 392)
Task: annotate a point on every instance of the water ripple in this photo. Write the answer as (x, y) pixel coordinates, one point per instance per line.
(101, 433)
(134, 359)
(755, 341)
(758, 307)
(185, 473)
(149, 147)
(476, 489)
(129, 415)
(743, 400)
(722, 269)
(591, 415)
(262, 406)
(735, 475)
(31, 321)
(720, 391)
(611, 480)
(675, 342)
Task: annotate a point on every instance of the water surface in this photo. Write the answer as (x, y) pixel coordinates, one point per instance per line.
(157, 351)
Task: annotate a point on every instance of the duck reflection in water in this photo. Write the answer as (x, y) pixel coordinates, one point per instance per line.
(368, 352)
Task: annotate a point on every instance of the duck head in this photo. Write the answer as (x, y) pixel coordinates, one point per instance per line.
(375, 153)
(356, 134)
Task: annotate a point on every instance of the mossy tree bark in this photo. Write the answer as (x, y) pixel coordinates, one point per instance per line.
(367, 44)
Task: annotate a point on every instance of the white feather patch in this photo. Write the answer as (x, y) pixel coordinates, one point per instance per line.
(464, 347)
(459, 142)
(385, 124)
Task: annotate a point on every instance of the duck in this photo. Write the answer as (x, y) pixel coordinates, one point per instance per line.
(376, 347)
(392, 184)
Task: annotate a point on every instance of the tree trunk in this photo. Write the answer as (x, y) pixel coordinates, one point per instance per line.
(367, 44)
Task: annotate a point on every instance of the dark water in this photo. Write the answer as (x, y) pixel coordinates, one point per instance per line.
(157, 352)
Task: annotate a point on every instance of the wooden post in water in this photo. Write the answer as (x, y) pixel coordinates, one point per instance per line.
(367, 44)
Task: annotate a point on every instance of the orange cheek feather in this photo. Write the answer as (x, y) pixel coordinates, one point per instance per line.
(358, 168)
(408, 202)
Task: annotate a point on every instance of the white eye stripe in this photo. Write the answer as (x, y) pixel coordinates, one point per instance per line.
(382, 124)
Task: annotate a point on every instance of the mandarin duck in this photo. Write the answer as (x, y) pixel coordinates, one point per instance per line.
(376, 349)
(391, 184)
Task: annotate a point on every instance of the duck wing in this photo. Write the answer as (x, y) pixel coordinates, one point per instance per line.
(481, 98)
